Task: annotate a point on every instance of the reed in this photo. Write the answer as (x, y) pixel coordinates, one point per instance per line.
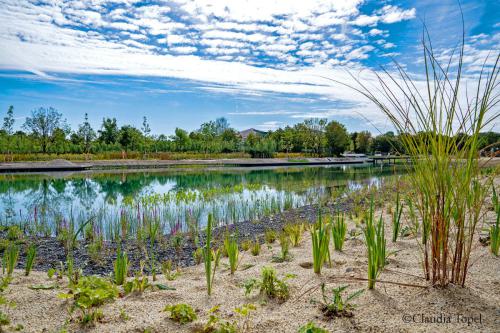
(396, 219)
(232, 250)
(11, 257)
(121, 267)
(30, 259)
(209, 256)
(439, 121)
(495, 229)
(320, 236)
(339, 230)
(375, 245)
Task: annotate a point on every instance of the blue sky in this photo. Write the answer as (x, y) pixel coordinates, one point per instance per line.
(259, 63)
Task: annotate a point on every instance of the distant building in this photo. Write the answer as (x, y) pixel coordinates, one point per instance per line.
(353, 155)
(244, 134)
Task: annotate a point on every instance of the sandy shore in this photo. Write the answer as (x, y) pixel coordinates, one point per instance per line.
(391, 307)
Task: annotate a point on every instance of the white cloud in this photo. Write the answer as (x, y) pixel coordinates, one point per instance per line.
(393, 14)
(270, 125)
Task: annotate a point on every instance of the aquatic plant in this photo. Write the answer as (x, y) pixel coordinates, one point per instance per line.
(284, 246)
(294, 232)
(339, 230)
(11, 256)
(208, 256)
(30, 259)
(269, 285)
(495, 229)
(255, 247)
(334, 305)
(181, 313)
(120, 266)
(231, 248)
(396, 218)
(320, 236)
(166, 268)
(270, 236)
(376, 245)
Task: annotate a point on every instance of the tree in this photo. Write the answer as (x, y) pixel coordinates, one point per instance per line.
(109, 132)
(221, 124)
(338, 139)
(181, 139)
(287, 139)
(42, 123)
(86, 133)
(129, 136)
(8, 126)
(363, 142)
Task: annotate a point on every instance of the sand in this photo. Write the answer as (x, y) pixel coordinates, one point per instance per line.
(388, 308)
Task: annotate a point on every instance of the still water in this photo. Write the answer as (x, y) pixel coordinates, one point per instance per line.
(176, 198)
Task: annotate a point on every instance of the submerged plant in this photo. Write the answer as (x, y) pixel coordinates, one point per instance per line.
(208, 256)
(30, 259)
(339, 230)
(320, 236)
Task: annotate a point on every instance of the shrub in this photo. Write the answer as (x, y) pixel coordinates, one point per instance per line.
(246, 245)
(30, 259)
(339, 230)
(181, 313)
(166, 268)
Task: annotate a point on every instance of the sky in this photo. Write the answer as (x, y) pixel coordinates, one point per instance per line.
(259, 63)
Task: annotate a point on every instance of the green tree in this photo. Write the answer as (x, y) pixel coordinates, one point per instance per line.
(109, 132)
(363, 142)
(337, 138)
(181, 139)
(8, 127)
(87, 134)
(129, 137)
(42, 124)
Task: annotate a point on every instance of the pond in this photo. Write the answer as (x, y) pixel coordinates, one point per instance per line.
(124, 201)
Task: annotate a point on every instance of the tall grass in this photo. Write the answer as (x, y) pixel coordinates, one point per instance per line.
(209, 256)
(11, 256)
(232, 250)
(396, 219)
(30, 259)
(339, 230)
(375, 245)
(320, 235)
(439, 119)
(121, 267)
(495, 229)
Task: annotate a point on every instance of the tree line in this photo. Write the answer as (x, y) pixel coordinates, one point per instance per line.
(46, 131)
